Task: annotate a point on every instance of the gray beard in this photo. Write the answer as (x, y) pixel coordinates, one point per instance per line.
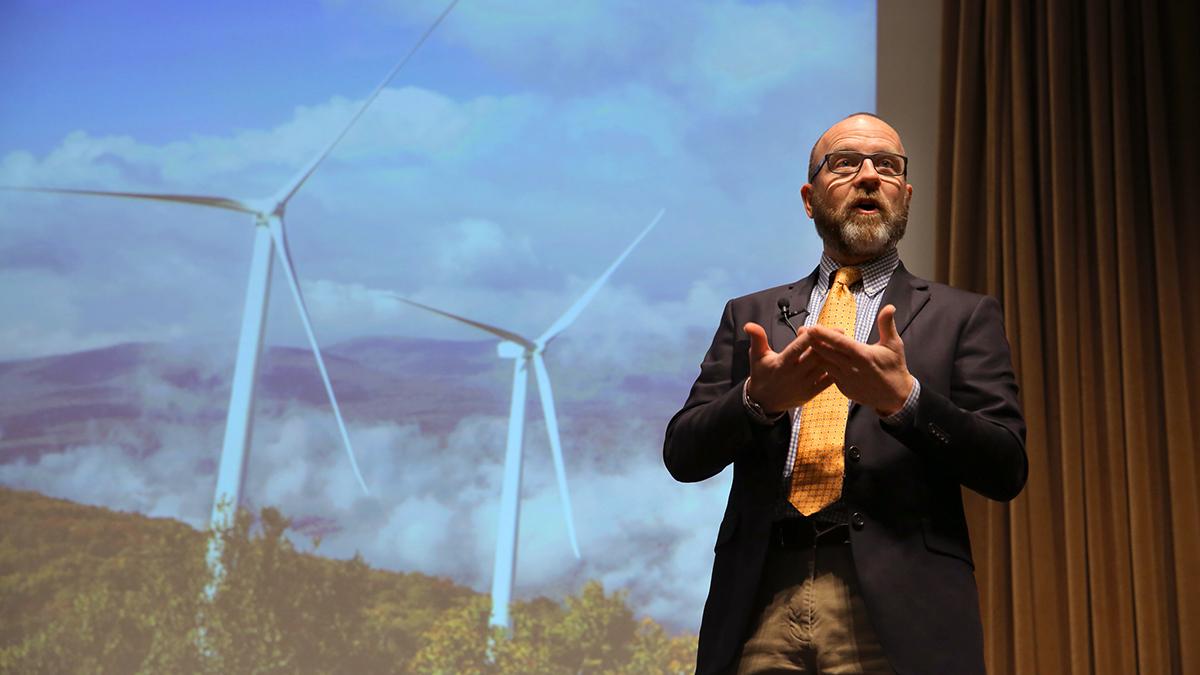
(859, 235)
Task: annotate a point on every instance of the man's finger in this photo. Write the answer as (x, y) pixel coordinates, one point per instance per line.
(809, 365)
(838, 368)
(759, 346)
(835, 337)
(796, 347)
(823, 382)
(887, 325)
(832, 340)
(836, 356)
(807, 358)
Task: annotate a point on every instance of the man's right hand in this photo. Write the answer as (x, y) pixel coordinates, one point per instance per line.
(783, 380)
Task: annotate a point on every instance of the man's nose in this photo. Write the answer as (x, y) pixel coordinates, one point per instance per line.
(867, 173)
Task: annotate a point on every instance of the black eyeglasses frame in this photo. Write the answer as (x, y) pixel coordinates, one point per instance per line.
(871, 157)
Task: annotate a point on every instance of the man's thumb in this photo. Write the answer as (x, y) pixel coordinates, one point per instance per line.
(759, 347)
(887, 325)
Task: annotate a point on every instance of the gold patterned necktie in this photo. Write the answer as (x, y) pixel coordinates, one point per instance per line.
(817, 472)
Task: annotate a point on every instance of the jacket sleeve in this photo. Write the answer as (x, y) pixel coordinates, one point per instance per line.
(713, 426)
(977, 432)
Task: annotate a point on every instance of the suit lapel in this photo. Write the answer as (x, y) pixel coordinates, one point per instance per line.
(797, 294)
(909, 295)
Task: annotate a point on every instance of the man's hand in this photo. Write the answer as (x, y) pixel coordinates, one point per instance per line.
(873, 375)
(783, 380)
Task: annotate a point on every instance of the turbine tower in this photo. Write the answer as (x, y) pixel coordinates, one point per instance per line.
(526, 353)
(270, 239)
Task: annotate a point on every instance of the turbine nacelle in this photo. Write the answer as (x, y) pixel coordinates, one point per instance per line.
(511, 350)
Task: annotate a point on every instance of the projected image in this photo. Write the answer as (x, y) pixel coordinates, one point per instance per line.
(394, 298)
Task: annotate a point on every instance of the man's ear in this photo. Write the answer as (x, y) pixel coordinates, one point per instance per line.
(806, 195)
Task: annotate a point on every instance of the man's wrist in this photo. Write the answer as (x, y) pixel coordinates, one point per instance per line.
(757, 412)
(907, 409)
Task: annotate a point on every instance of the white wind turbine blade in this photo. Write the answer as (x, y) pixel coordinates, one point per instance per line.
(560, 471)
(290, 189)
(573, 312)
(494, 330)
(198, 200)
(285, 257)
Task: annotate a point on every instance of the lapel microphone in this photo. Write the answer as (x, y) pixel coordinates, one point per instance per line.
(784, 306)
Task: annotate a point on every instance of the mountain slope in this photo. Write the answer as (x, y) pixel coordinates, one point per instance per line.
(85, 589)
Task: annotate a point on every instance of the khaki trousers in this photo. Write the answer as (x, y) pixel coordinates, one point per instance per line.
(811, 617)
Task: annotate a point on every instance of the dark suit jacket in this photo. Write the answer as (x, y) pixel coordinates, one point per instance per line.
(902, 486)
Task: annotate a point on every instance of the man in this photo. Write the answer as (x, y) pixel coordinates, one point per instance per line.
(844, 547)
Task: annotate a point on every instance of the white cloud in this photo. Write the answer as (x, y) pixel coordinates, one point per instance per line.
(624, 332)
(479, 249)
(742, 51)
(727, 54)
(621, 332)
(46, 313)
(527, 32)
(401, 123)
(107, 474)
(338, 303)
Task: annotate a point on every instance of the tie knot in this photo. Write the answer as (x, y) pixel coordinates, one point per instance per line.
(847, 276)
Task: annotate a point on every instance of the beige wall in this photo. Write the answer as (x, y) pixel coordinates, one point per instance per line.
(908, 60)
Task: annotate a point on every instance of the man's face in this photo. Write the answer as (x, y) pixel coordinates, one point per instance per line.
(862, 215)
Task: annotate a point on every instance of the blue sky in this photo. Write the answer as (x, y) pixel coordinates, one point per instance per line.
(516, 155)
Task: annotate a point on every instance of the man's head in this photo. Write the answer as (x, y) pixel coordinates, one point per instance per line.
(862, 213)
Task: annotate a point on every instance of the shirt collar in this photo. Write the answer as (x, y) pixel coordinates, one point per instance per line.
(875, 273)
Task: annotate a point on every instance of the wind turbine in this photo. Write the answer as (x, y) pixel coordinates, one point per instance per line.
(524, 353)
(269, 238)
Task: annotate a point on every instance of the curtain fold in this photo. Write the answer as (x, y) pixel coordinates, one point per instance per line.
(1069, 155)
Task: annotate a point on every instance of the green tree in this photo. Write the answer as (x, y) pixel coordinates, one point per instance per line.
(591, 633)
(597, 633)
(276, 610)
(656, 652)
(457, 643)
(136, 618)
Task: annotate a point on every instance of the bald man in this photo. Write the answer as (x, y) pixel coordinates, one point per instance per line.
(853, 405)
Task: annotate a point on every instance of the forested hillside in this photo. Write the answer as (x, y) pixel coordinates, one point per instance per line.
(88, 590)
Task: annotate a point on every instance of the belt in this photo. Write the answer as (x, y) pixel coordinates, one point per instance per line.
(791, 534)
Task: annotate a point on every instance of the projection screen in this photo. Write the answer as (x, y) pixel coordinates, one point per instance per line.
(550, 198)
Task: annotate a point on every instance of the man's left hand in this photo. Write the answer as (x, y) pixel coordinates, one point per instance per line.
(873, 375)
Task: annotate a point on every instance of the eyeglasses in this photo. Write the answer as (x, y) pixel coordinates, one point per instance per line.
(847, 162)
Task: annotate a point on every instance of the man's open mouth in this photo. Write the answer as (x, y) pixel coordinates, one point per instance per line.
(865, 205)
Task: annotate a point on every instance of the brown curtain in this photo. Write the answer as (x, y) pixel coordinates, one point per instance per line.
(1069, 183)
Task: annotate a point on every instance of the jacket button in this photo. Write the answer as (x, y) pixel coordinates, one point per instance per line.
(857, 521)
(853, 453)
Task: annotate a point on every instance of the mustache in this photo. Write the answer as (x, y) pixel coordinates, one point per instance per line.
(883, 206)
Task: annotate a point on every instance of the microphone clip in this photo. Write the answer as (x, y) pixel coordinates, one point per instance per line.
(786, 313)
